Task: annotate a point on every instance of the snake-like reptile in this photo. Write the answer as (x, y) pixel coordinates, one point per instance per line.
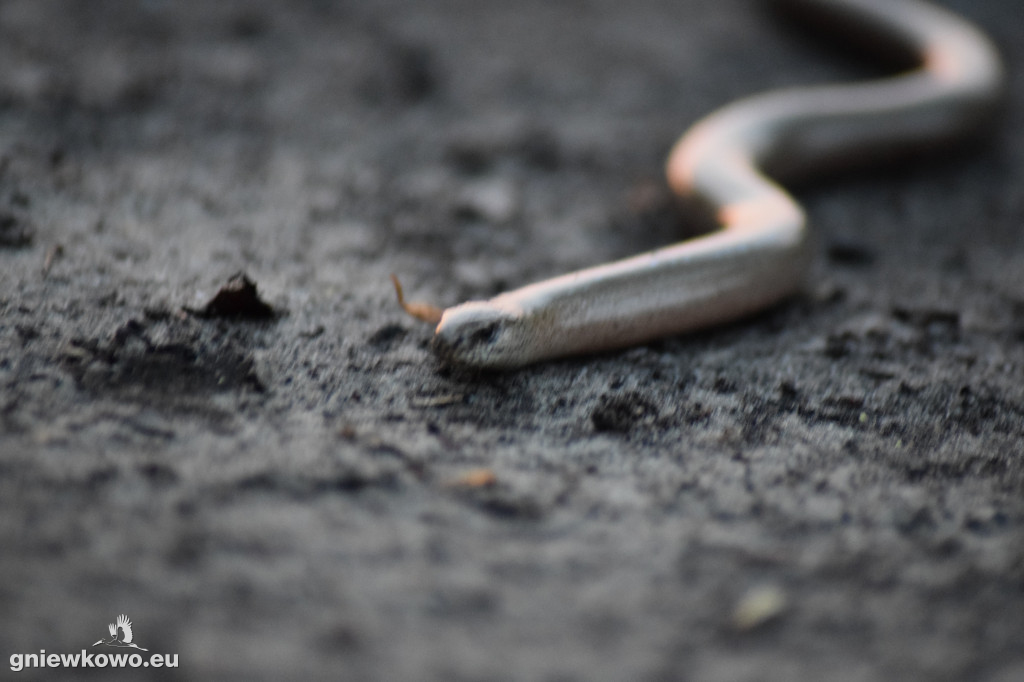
(759, 254)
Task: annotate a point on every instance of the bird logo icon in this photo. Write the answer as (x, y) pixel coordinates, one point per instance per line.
(120, 634)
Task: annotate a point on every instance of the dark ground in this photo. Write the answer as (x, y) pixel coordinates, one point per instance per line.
(288, 498)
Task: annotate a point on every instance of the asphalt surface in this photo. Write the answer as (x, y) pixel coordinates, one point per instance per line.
(831, 490)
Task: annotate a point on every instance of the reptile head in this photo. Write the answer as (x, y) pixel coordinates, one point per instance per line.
(481, 335)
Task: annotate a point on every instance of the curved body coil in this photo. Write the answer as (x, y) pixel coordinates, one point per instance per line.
(726, 163)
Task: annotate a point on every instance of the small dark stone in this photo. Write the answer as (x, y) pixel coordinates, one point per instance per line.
(620, 413)
(238, 299)
(15, 232)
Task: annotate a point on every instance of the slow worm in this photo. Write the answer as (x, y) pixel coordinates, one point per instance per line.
(759, 253)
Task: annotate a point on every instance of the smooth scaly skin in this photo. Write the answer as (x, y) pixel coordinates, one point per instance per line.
(760, 254)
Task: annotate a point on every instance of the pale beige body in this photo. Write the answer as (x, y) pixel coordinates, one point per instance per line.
(759, 254)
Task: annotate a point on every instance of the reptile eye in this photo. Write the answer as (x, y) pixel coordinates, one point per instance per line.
(485, 335)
